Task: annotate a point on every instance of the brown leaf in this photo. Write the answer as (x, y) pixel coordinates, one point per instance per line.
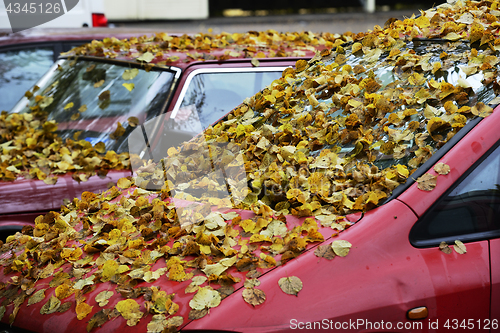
(427, 182)
(104, 95)
(324, 251)
(442, 169)
(254, 296)
(197, 314)
(444, 247)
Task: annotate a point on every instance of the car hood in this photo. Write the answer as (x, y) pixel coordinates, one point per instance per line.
(29, 316)
(31, 195)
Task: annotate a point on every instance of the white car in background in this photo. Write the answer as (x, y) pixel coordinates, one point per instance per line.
(85, 13)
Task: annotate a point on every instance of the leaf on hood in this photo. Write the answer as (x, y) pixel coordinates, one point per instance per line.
(325, 251)
(103, 297)
(341, 247)
(254, 296)
(205, 298)
(129, 309)
(83, 310)
(51, 306)
(38, 296)
(290, 285)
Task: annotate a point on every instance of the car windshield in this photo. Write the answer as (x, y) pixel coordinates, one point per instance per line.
(336, 134)
(98, 101)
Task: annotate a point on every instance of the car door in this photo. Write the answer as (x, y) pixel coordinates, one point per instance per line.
(465, 207)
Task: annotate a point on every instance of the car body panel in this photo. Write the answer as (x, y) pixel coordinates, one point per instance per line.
(495, 278)
(26, 195)
(383, 273)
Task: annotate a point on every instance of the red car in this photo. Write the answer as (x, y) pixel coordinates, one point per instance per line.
(364, 188)
(232, 66)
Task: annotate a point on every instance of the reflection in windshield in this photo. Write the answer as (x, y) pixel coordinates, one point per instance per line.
(19, 70)
(95, 101)
(210, 96)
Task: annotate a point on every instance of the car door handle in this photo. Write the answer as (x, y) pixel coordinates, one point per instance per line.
(420, 312)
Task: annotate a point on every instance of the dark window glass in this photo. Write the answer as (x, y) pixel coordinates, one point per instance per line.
(19, 71)
(469, 211)
(210, 96)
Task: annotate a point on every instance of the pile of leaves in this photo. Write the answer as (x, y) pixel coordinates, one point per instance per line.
(133, 239)
(31, 149)
(339, 133)
(328, 138)
(163, 49)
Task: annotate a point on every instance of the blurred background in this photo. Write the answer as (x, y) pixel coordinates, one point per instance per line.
(335, 16)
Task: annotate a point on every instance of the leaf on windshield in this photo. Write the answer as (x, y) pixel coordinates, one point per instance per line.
(129, 86)
(119, 131)
(427, 182)
(133, 121)
(290, 285)
(481, 110)
(46, 102)
(105, 95)
(82, 108)
(129, 74)
(69, 106)
(98, 83)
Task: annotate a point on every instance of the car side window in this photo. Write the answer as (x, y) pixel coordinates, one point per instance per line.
(210, 96)
(20, 70)
(470, 210)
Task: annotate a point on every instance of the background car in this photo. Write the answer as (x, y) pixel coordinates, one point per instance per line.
(214, 76)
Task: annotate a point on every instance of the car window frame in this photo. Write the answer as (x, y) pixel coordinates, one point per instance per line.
(465, 238)
(216, 70)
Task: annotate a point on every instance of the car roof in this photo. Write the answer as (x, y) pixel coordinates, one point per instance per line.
(31, 36)
(165, 49)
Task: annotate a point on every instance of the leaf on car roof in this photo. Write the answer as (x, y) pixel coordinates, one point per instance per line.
(146, 57)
